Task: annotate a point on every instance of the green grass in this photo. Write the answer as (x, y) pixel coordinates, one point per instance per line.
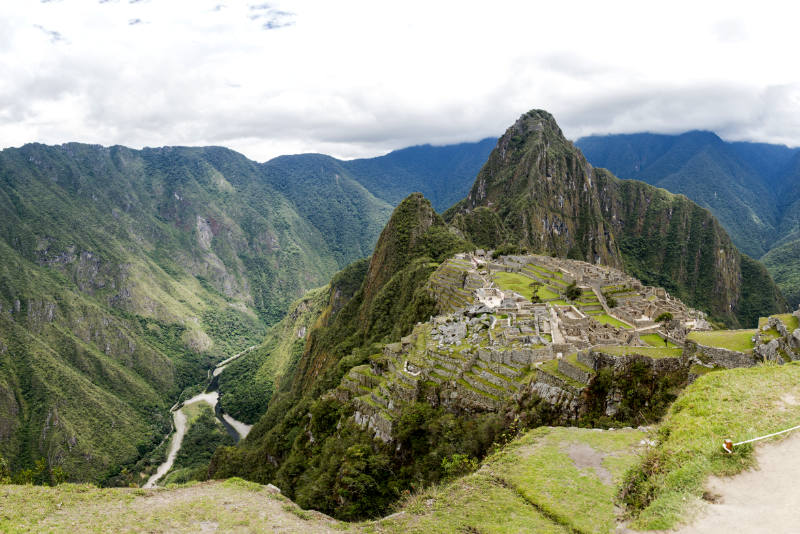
(551, 367)
(607, 319)
(791, 322)
(180, 508)
(770, 334)
(531, 485)
(521, 284)
(738, 404)
(702, 369)
(655, 340)
(738, 340)
(573, 360)
(651, 352)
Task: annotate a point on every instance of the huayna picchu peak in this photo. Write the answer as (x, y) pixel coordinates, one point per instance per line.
(538, 192)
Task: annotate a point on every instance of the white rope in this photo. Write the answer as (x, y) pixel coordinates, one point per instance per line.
(767, 436)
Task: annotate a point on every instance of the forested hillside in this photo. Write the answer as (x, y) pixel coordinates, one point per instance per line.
(536, 192)
(125, 274)
(752, 188)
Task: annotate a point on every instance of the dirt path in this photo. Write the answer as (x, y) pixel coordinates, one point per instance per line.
(763, 500)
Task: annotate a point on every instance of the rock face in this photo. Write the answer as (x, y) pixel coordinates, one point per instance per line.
(537, 191)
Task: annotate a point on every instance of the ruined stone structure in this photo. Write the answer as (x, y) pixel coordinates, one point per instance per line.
(492, 344)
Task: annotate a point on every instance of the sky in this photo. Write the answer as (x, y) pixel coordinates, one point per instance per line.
(360, 78)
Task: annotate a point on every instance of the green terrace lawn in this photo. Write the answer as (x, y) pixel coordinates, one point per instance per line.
(737, 404)
(540, 482)
(522, 285)
(546, 272)
(654, 340)
(738, 340)
(652, 352)
(792, 323)
(607, 319)
(551, 368)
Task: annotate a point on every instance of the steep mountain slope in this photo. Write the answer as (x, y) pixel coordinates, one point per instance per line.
(369, 304)
(443, 174)
(784, 266)
(750, 187)
(124, 274)
(539, 192)
(703, 167)
(323, 192)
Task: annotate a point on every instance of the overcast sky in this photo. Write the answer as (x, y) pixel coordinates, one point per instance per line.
(359, 78)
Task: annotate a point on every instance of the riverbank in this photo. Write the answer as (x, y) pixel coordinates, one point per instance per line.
(236, 429)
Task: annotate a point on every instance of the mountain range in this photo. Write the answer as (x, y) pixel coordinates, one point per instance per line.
(536, 193)
(753, 189)
(125, 274)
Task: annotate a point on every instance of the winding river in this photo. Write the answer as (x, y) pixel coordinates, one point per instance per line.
(236, 429)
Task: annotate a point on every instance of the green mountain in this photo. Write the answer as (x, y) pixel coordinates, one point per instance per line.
(317, 438)
(443, 174)
(537, 191)
(750, 187)
(125, 274)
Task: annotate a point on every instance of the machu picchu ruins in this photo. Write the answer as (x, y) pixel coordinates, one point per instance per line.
(511, 325)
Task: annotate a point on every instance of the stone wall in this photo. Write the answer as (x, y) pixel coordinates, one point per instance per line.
(516, 357)
(564, 401)
(370, 417)
(596, 360)
(556, 382)
(469, 399)
(729, 359)
(573, 372)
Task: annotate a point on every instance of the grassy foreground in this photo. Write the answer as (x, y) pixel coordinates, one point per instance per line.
(230, 506)
(551, 480)
(738, 404)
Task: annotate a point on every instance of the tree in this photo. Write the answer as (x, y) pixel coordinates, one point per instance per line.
(5, 472)
(535, 286)
(664, 317)
(610, 300)
(572, 292)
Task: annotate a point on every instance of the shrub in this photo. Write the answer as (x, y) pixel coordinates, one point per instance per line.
(610, 300)
(572, 292)
(664, 317)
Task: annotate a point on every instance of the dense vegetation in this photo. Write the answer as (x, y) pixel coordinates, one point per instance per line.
(750, 187)
(546, 198)
(247, 384)
(205, 433)
(125, 274)
(321, 456)
(782, 263)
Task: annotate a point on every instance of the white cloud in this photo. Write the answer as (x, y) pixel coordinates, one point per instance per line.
(357, 78)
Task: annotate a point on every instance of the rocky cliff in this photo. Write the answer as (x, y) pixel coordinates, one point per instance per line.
(538, 192)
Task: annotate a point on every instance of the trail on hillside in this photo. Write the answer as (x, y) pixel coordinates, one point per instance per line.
(760, 500)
